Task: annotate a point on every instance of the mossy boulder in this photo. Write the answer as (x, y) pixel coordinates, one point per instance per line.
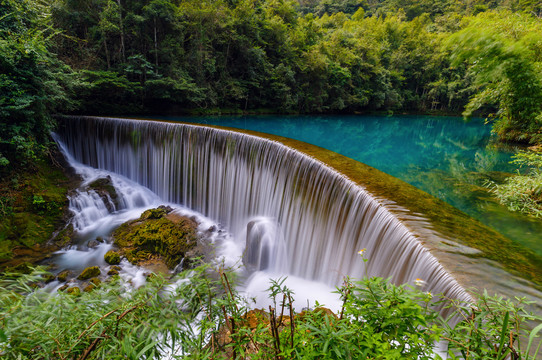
(112, 257)
(89, 272)
(75, 291)
(158, 234)
(63, 275)
(114, 270)
(89, 288)
(48, 277)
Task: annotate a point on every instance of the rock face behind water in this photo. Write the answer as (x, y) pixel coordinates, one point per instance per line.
(105, 189)
(158, 235)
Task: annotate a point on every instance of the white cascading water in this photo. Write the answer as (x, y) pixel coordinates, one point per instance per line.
(96, 215)
(299, 217)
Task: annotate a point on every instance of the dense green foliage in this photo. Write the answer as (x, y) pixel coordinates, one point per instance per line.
(311, 56)
(195, 317)
(523, 192)
(32, 81)
(134, 56)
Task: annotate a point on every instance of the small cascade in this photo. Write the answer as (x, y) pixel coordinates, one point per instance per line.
(103, 201)
(293, 214)
(88, 207)
(265, 248)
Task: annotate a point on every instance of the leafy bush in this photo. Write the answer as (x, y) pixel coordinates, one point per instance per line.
(489, 329)
(198, 315)
(523, 192)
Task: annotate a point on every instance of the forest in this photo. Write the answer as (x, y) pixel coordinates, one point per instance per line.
(113, 57)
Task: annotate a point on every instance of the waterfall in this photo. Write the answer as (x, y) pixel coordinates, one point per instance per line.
(296, 215)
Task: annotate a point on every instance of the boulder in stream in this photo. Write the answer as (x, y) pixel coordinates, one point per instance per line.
(158, 235)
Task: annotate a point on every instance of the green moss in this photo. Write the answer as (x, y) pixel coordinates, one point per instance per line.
(112, 257)
(89, 272)
(63, 275)
(153, 214)
(95, 281)
(33, 206)
(114, 270)
(47, 278)
(155, 234)
(75, 291)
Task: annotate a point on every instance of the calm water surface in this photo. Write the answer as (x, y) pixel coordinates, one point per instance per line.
(444, 156)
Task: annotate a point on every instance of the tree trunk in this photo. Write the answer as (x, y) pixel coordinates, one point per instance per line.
(121, 23)
(107, 53)
(155, 47)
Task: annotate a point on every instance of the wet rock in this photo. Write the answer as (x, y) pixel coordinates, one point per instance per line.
(93, 244)
(89, 288)
(63, 275)
(65, 236)
(155, 213)
(89, 272)
(47, 278)
(75, 291)
(63, 287)
(158, 234)
(112, 257)
(166, 208)
(113, 270)
(95, 281)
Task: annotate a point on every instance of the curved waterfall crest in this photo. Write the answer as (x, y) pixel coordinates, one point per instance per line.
(297, 215)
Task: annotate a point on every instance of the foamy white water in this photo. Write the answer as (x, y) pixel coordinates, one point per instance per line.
(287, 213)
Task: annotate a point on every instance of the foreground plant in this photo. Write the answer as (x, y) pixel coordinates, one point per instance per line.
(199, 315)
(491, 328)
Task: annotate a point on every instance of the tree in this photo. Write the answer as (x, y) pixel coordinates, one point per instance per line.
(497, 47)
(33, 83)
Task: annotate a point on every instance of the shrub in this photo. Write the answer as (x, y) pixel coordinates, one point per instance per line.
(199, 315)
(523, 192)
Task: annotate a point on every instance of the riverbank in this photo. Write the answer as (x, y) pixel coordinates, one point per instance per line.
(34, 210)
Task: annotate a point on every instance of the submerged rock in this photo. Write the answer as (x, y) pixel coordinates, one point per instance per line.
(89, 272)
(158, 235)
